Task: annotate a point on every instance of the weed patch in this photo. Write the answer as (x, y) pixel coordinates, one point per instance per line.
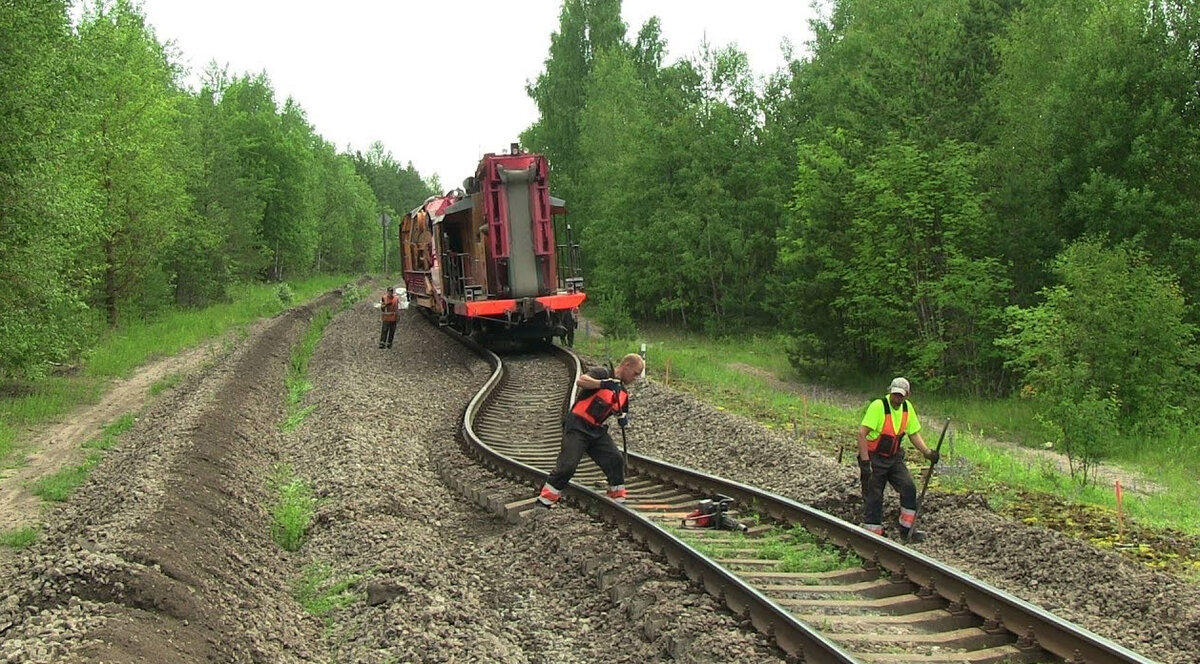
(19, 538)
(293, 509)
(320, 593)
(112, 430)
(165, 383)
(297, 376)
(57, 487)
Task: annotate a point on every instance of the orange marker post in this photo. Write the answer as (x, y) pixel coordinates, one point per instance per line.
(1120, 513)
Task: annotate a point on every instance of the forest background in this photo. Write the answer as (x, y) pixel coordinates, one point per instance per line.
(124, 195)
(993, 197)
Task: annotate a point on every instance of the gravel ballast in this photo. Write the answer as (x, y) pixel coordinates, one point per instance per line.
(165, 553)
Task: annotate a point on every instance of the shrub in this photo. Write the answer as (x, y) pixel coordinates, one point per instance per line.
(612, 315)
(286, 294)
(1108, 347)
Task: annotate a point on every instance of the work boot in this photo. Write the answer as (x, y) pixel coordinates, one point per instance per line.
(381, 345)
(917, 535)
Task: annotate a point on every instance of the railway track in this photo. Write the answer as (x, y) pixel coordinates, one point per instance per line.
(824, 589)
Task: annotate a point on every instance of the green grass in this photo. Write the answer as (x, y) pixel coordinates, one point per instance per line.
(703, 366)
(57, 487)
(297, 376)
(293, 508)
(319, 593)
(108, 438)
(795, 549)
(120, 351)
(165, 383)
(711, 370)
(19, 538)
(125, 349)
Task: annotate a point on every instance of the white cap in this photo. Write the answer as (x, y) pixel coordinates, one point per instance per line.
(899, 386)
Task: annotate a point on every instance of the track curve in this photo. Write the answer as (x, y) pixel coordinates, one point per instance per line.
(896, 606)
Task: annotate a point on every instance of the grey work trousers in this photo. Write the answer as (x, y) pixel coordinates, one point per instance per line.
(887, 470)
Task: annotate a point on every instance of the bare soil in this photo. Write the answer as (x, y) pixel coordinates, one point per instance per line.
(58, 443)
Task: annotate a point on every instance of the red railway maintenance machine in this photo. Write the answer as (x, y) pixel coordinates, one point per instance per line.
(484, 259)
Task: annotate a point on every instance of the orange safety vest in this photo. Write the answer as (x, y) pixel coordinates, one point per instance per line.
(600, 404)
(888, 442)
(391, 304)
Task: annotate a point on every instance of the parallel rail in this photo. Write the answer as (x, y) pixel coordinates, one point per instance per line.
(515, 430)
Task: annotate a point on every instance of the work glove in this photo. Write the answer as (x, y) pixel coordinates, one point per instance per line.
(864, 469)
(623, 420)
(933, 456)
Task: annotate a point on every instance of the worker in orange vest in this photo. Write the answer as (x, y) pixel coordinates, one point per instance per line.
(389, 311)
(601, 395)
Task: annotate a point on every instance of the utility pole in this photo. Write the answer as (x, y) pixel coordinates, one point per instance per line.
(383, 226)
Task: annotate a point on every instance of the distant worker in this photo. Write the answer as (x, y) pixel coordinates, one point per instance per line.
(389, 308)
(571, 322)
(584, 431)
(881, 457)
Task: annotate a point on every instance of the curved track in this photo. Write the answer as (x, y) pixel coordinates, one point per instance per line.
(886, 603)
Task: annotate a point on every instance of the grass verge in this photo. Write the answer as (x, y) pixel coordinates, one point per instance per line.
(120, 351)
(293, 508)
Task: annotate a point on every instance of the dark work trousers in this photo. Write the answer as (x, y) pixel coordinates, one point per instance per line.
(884, 471)
(601, 449)
(387, 333)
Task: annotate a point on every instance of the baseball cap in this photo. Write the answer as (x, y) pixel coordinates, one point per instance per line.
(899, 386)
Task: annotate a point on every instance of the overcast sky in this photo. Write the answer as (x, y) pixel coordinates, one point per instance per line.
(440, 83)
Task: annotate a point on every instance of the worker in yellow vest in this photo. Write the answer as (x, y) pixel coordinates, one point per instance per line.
(881, 457)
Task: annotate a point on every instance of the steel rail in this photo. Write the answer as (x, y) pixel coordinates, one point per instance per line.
(1033, 625)
(999, 609)
(793, 636)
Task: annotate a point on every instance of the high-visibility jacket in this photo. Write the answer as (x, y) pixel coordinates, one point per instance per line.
(596, 407)
(888, 442)
(389, 306)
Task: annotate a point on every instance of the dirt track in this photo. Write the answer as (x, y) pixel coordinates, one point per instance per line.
(164, 555)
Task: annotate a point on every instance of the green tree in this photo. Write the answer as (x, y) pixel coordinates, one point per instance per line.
(922, 291)
(46, 214)
(1112, 330)
(586, 28)
(1104, 142)
(133, 153)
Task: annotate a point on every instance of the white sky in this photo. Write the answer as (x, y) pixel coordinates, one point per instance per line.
(440, 83)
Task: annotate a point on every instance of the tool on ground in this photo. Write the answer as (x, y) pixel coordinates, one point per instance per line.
(937, 453)
(714, 513)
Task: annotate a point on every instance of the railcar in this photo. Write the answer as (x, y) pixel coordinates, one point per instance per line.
(494, 259)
